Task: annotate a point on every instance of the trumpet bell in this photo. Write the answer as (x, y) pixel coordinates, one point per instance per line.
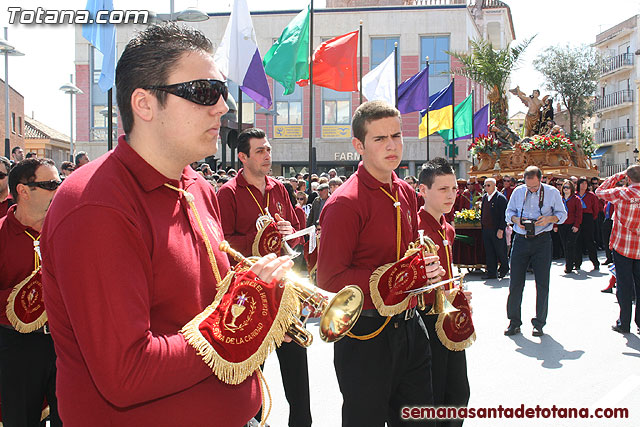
(341, 313)
(441, 304)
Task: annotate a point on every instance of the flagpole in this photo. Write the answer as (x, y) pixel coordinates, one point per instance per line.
(360, 36)
(310, 93)
(473, 113)
(110, 119)
(452, 147)
(233, 149)
(428, 157)
(395, 70)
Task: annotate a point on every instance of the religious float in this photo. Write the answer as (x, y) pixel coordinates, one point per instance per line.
(502, 152)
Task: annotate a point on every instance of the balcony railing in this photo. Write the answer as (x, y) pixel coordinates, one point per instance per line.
(613, 99)
(612, 135)
(608, 170)
(100, 134)
(614, 63)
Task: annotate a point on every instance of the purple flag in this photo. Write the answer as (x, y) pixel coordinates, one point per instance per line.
(481, 122)
(413, 93)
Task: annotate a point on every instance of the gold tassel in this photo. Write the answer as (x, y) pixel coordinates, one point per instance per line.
(235, 373)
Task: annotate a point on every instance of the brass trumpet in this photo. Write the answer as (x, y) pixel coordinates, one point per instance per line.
(340, 311)
(441, 304)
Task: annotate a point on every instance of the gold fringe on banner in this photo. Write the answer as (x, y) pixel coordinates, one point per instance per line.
(255, 247)
(448, 343)
(374, 281)
(231, 372)
(18, 324)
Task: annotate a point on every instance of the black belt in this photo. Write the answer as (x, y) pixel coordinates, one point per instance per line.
(407, 314)
(533, 237)
(44, 330)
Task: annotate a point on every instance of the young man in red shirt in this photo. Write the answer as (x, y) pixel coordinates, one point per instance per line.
(384, 364)
(27, 360)
(130, 249)
(248, 196)
(448, 368)
(625, 242)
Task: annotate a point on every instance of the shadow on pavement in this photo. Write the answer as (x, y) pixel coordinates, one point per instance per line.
(634, 343)
(550, 351)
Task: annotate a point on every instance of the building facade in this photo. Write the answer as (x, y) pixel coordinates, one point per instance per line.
(45, 141)
(16, 119)
(616, 103)
(421, 28)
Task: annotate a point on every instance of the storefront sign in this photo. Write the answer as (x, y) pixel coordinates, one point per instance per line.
(346, 156)
(336, 131)
(287, 131)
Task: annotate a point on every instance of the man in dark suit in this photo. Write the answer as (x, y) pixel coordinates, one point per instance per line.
(494, 204)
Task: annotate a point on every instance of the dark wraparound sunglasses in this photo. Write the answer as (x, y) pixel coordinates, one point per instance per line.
(3, 175)
(203, 92)
(45, 185)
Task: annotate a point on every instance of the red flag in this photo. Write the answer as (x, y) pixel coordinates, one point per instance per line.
(334, 64)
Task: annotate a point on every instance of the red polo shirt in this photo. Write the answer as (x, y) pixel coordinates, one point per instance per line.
(240, 211)
(125, 268)
(4, 205)
(359, 231)
(17, 258)
(435, 230)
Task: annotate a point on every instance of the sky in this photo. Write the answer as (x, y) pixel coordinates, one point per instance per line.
(49, 49)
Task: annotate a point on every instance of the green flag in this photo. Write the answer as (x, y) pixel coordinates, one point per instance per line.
(462, 119)
(288, 59)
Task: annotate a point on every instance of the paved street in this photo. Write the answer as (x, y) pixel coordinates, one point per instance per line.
(579, 363)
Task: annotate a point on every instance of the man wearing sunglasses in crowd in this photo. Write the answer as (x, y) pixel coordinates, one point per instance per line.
(144, 230)
(27, 359)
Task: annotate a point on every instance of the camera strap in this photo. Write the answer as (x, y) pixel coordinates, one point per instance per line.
(540, 200)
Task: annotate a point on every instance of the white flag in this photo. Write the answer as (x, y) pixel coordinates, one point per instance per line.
(238, 57)
(380, 83)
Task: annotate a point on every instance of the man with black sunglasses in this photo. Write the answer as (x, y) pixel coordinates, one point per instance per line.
(144, 230)
(27, 357)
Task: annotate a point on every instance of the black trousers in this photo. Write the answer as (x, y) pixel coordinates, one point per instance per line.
(607, 225)
(627, 289)
(27, 377)
(586, 241)
(380, 376)
(495, 250)
(295, 381)
(448, 373)
(537, 252)
(597, 229)
(568, 238)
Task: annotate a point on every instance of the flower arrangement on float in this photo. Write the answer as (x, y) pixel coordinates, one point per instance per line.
(467, 216)
(546, 143)
(485, 144)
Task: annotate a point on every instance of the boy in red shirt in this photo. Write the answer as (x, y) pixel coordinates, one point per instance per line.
(448, 368)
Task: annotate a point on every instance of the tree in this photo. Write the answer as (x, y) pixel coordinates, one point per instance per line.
(572, 73)
(491, 68)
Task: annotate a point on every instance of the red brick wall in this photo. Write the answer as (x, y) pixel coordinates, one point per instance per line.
(16, 106)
